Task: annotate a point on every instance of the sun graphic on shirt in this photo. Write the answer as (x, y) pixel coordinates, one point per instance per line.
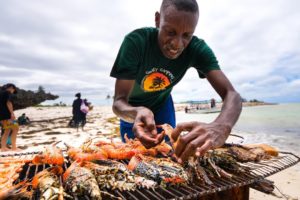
(155, 82)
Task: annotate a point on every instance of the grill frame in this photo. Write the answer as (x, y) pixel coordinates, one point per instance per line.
(259, 171)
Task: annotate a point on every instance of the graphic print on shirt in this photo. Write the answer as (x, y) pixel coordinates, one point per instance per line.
(156, 79)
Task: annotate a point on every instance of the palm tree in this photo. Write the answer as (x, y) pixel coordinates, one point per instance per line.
(157, 83)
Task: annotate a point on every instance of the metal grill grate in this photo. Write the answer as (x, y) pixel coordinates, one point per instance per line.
(191, 191)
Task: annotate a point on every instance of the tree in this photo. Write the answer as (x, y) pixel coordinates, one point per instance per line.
(41, 90)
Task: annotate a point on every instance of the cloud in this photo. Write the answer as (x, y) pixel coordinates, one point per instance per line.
(70, 46)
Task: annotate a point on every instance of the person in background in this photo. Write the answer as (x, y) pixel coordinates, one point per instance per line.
(150, 62)
(23, 120)
(86, 103)
(212, 103)
(7, 117)
(77, 114)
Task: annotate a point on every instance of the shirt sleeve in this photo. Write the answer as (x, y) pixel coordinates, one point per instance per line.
(204, 60)
(127, 61)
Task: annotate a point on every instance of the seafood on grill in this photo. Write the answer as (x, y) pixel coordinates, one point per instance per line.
(9, 173)
(213, 163)
(196, 172)
(112, 174)
(251, 152)
(80, 155)
(46, 183)
(123, 151)
(224, 160)
(163, 148)
(244, 154)
(162, 170)
(267, 149)
(16, 192)
(81, 181)
(52, 155)
(12, 160)
(120, 152)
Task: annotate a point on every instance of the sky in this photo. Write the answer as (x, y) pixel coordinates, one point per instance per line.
(70, 46)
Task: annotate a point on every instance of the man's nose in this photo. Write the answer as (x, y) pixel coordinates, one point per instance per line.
(177, 43)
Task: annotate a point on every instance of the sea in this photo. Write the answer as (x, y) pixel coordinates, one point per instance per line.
(277, 125)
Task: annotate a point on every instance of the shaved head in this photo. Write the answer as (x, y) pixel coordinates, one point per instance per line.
(181, 5)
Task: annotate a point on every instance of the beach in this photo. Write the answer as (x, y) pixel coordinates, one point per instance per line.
(278, 128)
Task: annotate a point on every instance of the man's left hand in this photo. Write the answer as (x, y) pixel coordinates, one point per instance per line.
(200, 137)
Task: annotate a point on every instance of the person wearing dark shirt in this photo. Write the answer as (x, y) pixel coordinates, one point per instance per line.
(150, 62)
(79, 117)
(7, 117)
(23, 120)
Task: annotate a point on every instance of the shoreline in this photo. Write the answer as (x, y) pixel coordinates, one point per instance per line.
(206, 106)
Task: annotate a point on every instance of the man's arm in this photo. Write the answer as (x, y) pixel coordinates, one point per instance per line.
(204, 136)
(232, 104)
(11, 109)
(144, 126)
(121, 107)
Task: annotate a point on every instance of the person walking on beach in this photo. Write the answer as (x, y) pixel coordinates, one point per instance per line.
(150, 62)
(7, 117)
(79, 110)
(85, 111)
(76, 109)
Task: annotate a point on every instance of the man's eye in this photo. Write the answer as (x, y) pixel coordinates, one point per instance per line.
(171, 33)
(187, 36)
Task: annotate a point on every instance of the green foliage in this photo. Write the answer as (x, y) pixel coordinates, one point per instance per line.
(41, 90)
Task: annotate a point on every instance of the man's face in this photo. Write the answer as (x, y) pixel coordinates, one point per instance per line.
(176, 29)
(11, 90)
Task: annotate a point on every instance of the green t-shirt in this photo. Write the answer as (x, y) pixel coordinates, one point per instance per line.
(141, 59)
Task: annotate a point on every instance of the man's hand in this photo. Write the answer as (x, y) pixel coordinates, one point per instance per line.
(12, 116)
(144, 128)
(200, 138)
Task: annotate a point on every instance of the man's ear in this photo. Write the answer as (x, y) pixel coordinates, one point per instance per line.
(157, 19)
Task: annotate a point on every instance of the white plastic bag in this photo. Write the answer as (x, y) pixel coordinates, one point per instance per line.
(84, 108)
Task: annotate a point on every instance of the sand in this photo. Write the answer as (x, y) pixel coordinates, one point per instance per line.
(49, 124)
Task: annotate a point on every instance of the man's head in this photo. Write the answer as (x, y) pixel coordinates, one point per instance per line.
(10, 88)
(176, 22)
(78, 95)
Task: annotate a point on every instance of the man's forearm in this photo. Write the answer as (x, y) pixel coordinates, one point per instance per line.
(231, 109)
(10, 108)
(125, 111)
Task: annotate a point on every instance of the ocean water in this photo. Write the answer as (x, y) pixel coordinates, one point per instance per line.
(277, 125)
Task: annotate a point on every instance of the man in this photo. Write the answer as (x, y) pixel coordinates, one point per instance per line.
(7, 117)
(78, 116)
(150, 62)
(23, 120)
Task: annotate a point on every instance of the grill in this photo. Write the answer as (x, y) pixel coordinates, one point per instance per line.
(191, 191)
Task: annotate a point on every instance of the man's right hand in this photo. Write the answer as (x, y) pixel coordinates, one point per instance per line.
(144, 128)
(12, 116)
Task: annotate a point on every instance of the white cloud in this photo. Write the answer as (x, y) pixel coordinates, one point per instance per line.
(70, 46)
